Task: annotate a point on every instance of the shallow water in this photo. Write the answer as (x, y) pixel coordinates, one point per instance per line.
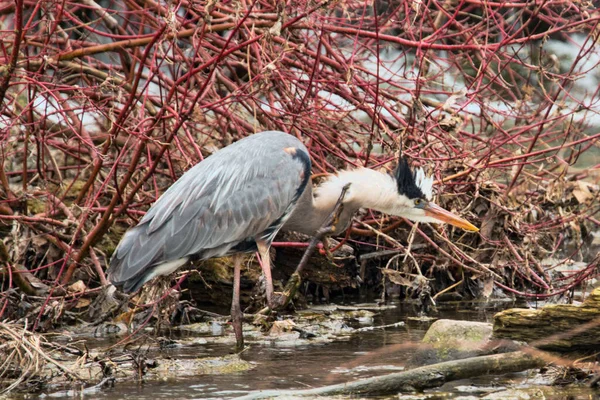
(363, 355)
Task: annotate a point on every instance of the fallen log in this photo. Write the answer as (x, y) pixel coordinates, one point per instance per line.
(419, 378)
(560, 327)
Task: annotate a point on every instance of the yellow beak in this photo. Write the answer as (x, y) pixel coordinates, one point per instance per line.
(434, 211)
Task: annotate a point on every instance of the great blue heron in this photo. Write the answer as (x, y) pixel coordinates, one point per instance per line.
(236, 201)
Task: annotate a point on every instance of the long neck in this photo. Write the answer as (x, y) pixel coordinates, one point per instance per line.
(368, 188)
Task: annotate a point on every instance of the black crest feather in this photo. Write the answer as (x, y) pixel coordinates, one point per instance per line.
(405, 179)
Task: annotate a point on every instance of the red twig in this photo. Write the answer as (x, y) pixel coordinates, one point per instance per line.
(103, 110)
(14, 56)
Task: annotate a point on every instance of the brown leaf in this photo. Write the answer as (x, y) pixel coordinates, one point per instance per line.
(582, 192)
(78, 286)
(396, 277)
(280, 327)
(488, 286)
(82, 303)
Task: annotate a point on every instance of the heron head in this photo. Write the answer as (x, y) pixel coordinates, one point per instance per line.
(414, 200)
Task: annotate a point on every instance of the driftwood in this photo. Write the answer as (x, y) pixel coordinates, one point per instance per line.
(559, 327)
(419, 378)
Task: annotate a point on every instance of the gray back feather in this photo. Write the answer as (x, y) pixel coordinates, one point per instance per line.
(230, 197)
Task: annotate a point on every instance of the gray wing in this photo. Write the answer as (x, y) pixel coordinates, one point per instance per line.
(232, 196)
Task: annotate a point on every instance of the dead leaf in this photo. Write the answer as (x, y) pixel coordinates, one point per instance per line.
(396, 277)
(488, 287)
(280, 327)
(450, 123)
(83, 302)
(582, 192)
(125, 317)
(276, 28)
(78, 286)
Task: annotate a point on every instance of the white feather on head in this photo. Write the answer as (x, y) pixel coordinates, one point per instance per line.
(425, 183)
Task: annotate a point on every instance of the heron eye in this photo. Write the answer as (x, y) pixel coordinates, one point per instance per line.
(417, 202)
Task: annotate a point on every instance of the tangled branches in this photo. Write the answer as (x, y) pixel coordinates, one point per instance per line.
(105, 103)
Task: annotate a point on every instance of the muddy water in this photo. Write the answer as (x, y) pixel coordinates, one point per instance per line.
(362, 355)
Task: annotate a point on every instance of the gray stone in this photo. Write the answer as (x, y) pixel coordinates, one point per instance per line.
(453, 340)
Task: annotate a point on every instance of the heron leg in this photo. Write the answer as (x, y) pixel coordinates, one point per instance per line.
(327, 228)
(265, 258)
(236, 310)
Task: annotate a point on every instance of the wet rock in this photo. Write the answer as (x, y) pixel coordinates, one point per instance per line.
(453, 340)
(216, 329)
(177, 368)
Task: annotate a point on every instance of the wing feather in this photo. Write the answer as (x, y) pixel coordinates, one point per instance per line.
(232, 196)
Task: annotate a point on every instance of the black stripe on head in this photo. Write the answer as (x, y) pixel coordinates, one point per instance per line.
(405, 179)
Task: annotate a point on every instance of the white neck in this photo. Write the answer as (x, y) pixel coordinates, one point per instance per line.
(368, 189)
